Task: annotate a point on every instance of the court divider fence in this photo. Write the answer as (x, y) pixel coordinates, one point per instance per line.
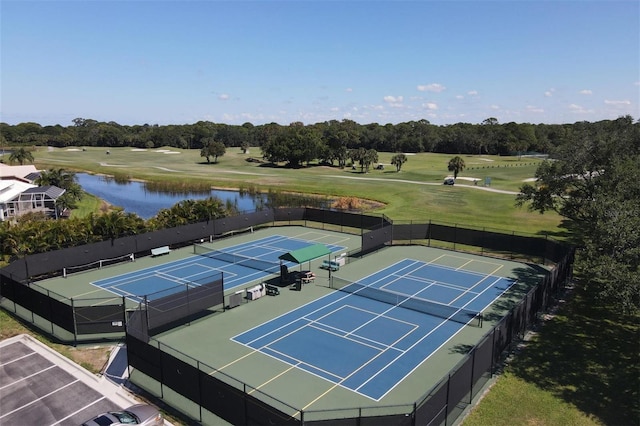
(72, 319)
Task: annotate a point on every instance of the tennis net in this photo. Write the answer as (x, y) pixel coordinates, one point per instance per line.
(424, 306)
(98, 264)
(249, 262)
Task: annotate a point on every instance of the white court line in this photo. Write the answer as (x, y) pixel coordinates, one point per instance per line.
(347, 337)
(362, 366)
(357, 308)
(438, 348)
(298, 363)
(432, 282)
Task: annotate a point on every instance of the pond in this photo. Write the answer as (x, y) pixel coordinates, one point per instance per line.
(133, 197)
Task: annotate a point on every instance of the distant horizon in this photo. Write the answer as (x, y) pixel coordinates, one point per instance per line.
(311, 124)
(311, 61)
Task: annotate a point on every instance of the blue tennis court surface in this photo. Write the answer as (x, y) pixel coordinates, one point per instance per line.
(198, 268)
(369, 345)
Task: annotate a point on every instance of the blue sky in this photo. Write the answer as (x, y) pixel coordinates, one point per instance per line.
(179, 62)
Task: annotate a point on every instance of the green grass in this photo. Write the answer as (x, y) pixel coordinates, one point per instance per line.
(88, 204)
(514, 401)
(583, 368)
(415, 193)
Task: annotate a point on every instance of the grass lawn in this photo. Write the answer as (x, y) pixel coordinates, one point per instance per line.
(88, 204)
(415, 193)
(581, 368)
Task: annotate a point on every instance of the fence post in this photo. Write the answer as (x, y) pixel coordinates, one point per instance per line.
(75, 326)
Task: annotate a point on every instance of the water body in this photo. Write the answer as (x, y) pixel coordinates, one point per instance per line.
(134, 198)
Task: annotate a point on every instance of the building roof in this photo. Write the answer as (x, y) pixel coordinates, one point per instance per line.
(11, 188)
(306, 254)
(32, 176)
(50, 191)
(18, 172)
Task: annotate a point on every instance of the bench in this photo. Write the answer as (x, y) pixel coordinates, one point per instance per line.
(307, 277)
(330, 265)
(159, 251)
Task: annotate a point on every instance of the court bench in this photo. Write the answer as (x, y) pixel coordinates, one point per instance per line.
(159, 251)
(330, 265)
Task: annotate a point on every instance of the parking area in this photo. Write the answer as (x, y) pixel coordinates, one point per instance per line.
(38, 386)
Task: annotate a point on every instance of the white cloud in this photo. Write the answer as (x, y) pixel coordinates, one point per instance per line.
(223, 97)
(549, 93)
(472, 92)
(433, 87)
(459, 97)
(494, 107)
(586, 92)
(579, 109)
(348, 89)
(430, 105)
(532, 108)
(608, 102)
(393, 99)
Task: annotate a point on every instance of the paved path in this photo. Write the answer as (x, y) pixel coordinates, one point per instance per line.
(481, 188)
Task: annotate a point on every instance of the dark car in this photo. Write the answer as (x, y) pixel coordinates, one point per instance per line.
(139, 414)
(449, 181)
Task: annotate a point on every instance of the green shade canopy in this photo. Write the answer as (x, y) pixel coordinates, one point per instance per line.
(306, 254)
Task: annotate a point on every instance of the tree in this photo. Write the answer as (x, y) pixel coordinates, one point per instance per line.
(456, 165)
(370, 157)
(593, 183)
(62, 179)
(357, 155)
(116, 224)
(20, 156)
(398, 160)
(212, 148)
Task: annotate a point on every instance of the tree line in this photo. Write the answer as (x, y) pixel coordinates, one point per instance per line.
(328, 141)
(594, 183)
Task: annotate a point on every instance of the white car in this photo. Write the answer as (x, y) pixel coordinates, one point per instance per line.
(139, 414)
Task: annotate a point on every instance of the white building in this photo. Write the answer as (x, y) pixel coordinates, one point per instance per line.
(19, 195)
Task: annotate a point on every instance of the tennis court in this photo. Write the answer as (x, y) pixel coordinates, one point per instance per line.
(239, 264)
(376, 331)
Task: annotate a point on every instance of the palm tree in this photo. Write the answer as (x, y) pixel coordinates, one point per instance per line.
(21, 155)
(398, 160)
(456, 165)
(62, 179)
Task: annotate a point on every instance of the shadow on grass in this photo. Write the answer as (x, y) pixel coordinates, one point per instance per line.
(588, 356)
